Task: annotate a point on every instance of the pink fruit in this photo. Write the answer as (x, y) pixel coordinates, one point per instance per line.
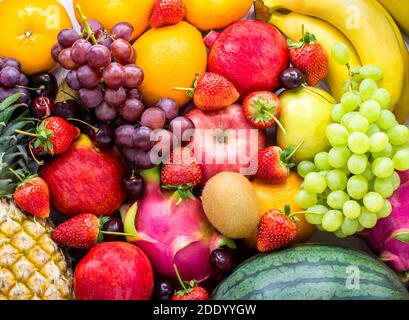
(225, 141)
(251, 54)
(114, 271)
(171, 233)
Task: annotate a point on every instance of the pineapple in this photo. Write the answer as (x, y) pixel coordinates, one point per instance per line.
(32, 266)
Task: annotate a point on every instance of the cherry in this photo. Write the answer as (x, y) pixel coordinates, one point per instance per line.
(134, 186)
(113, 225)
(164, 289)
(222, 260)
(103, 136)
(42, 107)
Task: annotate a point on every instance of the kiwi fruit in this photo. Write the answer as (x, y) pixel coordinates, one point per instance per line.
(231, 205)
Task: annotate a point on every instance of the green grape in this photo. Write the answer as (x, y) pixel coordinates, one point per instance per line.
(351, 209)
(315, 183)
(371, 110)
(315, 214)
(356, 74)
(358, 124)
(378, 142)
(401, 147)
(336, 180)
(323, 173)
(357, 187)
(306, 199)
(332, 220)
(340, 234)
(305, 167)
(350, 101)
(386, 210)
(347, 118)
(321, 161)
(337, 135)
(337, 113)
(349, 226)
(383, 97)
(373, 201)
(383, 167)
(357, 163)
(350, 84)
(401, 160)
(371, 72)
(385, 153)
(338, 157)
(360, 228)
(340, 53)
(384, 187)
(319, 227)
(368, 174)
(395, 180)
(358, 143)
(336, 199)
(367, 219)
(386, 120)
(398, 135)
(367, 89)
(373, 128)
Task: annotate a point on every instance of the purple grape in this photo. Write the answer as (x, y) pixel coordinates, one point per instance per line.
(134, 94)
(65, 60)
(134, 186)
(79, 51)
(180, 125)
(121, 51)
(67, 37)
(55, 51)
(113, 225)
(129, 153)
(134, 76)
(170, 107)
(98, 56)
(66, 109)
(119, 121)
(153, 118)
(88, 77)
(95, 26)
(132, 110)
(10, 62)
(9, 77)
(72, 80)
(123, 30)
(143, 160)
(25, 98)
(142, 138)
(4, 94)
(105, 112)
(165, 141)
(23, 81)
(103, 138)
(114, 75)
(105, 40)
(124, 136)
(91, 98)
(115, 97)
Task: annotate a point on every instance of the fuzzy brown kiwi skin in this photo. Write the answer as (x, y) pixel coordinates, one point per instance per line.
(231, 205)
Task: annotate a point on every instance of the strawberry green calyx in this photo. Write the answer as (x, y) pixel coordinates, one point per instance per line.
(23, 179)
(307, 38)
(187, 286)
(190, 91)
(183, 192)
(263, 111)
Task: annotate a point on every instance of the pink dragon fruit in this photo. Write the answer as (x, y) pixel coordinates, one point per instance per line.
(390, 237)
(170, 233)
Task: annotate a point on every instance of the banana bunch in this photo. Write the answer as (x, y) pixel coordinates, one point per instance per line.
(364, 26)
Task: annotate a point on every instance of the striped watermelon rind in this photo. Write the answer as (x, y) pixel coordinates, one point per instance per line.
(311, 272)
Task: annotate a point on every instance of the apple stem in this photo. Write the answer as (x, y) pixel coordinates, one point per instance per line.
(179, 277)
(84, 123)
(294, 151)
(19, 177)
(87, 27)
(35, 135)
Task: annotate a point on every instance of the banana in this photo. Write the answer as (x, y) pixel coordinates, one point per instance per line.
(366, 26)
(399, 9)
(291, 25)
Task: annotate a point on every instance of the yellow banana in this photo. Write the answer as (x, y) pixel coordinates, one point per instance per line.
(366, 26)
(399, 9)
(291, 25)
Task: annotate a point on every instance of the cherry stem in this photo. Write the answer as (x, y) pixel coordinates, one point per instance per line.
(19, 177)
(179, 277)
(84, 123)
(39, 163)
(87, 27)
(117, 233)
(28, 133)
(42, 87)
(294, 151)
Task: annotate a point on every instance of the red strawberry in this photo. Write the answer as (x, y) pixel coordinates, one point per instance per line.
(167, 12)
(190, 290)
(212, 92)
(309, 57)
(262, 109)
(276, 230)
(273, 165)
(182, 173)
(32, 196)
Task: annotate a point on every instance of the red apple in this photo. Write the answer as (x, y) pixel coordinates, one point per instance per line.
(114, 271)
(85, 179)
(225, 141)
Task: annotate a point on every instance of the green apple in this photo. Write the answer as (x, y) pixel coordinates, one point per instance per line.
(305, 115)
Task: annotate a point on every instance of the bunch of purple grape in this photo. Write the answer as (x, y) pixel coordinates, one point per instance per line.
(13, 80)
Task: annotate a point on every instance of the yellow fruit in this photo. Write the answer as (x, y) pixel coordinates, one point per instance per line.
(215, 14)
(28, 31)
(276, 196)
(110, 12)
(170, 57)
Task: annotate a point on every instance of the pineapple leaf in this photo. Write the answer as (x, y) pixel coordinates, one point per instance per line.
(10, 101)
(6, 114)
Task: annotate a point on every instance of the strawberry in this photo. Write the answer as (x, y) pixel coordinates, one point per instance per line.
(167, 12)
(181, 173)
(81, 232)
(262, 109)
(309, 57)
(273, 165)
(212, 92)
(32, 196)
(276, 230)
(191, 291)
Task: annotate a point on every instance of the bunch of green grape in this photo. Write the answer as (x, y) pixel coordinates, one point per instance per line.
(346, 189)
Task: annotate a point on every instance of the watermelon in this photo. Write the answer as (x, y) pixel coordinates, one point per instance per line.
(312, 272)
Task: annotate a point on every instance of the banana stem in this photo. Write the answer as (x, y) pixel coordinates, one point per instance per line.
(87, 27)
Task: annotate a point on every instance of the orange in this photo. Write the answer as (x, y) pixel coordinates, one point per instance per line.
(276, 196)
(170, 57)
(110, 12)
(215, 14)
(28, 31)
